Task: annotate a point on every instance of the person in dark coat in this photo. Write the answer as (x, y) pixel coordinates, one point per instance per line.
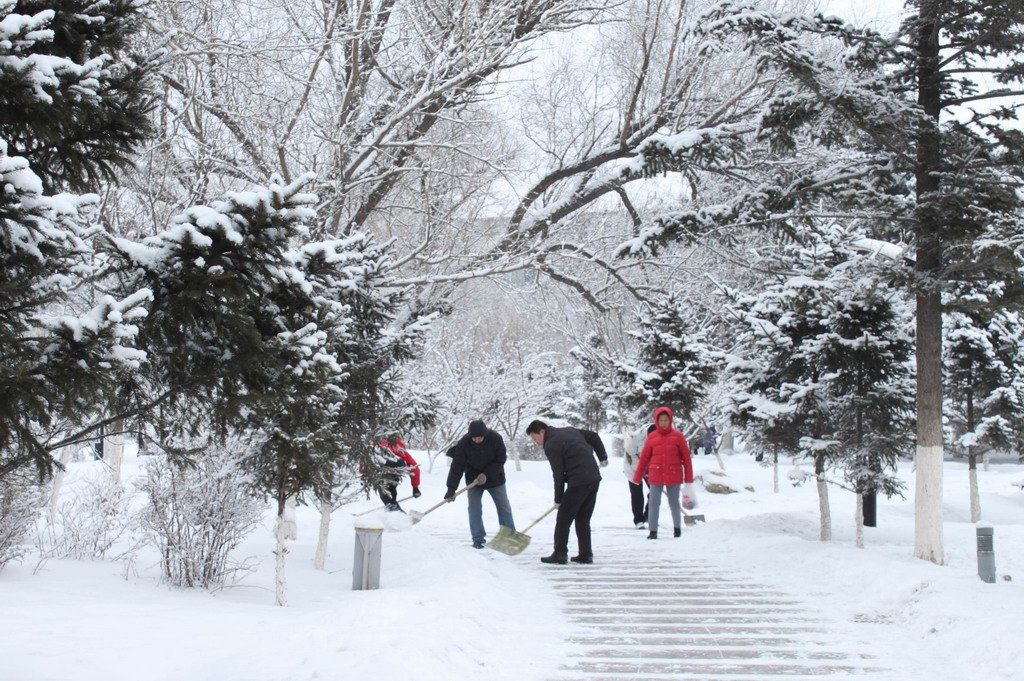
(570, 451)
(481, 450)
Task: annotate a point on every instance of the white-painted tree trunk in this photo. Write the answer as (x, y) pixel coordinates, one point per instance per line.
(516, 457)
(113, 451)
(775, 472)
(325, 528)
(859, 517)
(718, 455)
(972, 473)
(825, 510)
(291, 529)
(984, 462)
(280, 551)
(728, 445)
(928, 505)
(58, 480)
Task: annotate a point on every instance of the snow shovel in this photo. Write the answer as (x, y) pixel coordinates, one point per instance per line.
(693, 519)
(512, 543)
(381, 508)
(416, 516)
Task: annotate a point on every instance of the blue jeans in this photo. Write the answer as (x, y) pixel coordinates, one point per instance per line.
(476, 510)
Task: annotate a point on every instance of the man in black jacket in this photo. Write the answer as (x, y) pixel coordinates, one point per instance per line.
(570, 451)
(481, 450)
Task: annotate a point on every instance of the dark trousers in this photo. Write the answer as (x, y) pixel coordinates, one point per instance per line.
(388, 494)
(639, 502)
(577, 506)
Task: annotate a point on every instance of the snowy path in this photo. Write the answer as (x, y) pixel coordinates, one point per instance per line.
(685, 619)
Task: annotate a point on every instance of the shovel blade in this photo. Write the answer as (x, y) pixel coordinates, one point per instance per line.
(509, 542)
(695, 518)
(415, 516)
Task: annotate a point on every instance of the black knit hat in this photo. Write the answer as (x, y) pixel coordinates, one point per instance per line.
(477, 429)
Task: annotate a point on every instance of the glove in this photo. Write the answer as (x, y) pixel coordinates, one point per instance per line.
(416, 494)
(604, 462)
(450, 497)
(689, 497)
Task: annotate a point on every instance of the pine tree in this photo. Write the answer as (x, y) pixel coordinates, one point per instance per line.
(65, 106)
(675, 363)
(984, 407)
(823, 371)
(75, 96)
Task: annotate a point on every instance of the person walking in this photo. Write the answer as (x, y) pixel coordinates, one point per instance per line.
(399, 463)
(481, 450)
(632, 445)
(570, 452)
(665, 460)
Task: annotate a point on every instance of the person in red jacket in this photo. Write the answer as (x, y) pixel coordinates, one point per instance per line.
(665, 460)
(396, 456)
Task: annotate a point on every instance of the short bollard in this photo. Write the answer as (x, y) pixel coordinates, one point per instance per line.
(366, 558)
(986, 553)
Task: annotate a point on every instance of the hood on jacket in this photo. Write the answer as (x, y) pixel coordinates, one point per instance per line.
(663, 410)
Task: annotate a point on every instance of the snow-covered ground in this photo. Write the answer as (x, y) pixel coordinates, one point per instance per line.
(447, 611)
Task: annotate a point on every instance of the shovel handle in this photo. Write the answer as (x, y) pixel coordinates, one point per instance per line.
(377, 508)
(480, 479)
(542, 517)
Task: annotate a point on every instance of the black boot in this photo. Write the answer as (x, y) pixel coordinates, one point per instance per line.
(678, 532)
(555, 559)
(584, 560)
(653, 534)
(478, 543)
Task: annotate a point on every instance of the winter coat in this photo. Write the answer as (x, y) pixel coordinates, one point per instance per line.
(632, 445)
(665, 455)
(472, 459)
(397, 456)
(570, 451)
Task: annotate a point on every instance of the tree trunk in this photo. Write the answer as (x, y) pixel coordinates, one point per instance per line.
(280, 551)
(929, 236)
(113, 450)
(984, 462)
(972, 473)
(718, 456)
(823, 507)
(859, 516)
(728, 444)
(775, 471)
(58, 480)
(515, 455)
(291, 529)
(326, 508)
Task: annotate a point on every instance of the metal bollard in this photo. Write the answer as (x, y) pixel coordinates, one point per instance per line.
(366, 558)
(986, 553)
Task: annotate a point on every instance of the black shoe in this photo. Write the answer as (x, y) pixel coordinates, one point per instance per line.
(394, 507)
(478, 543)
(678, 532)
(583, 560)
(555, 559)
(653, 534)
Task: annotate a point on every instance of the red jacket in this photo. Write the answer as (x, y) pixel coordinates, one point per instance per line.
(398, 449)
(665, 455)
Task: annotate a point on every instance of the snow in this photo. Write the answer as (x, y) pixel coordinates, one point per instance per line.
(447, 611)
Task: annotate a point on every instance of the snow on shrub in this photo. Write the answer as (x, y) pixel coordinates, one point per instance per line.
(91, 518)
(19, 507)
(196, 514)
